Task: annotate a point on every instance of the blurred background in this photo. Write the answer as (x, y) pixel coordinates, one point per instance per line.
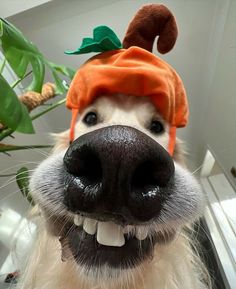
(205, 58)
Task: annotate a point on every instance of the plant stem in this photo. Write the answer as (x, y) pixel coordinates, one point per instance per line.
(3, 65)
(5, 133)
(9, 131)
(20, 79)
(16, 148)
(48, 109)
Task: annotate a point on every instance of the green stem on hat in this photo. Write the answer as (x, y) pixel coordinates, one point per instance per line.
(104, 39)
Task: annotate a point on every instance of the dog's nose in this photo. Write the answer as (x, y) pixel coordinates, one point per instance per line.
(117, 171)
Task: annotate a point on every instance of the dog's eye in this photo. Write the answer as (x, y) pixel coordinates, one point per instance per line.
(90, 118)
(156, 127)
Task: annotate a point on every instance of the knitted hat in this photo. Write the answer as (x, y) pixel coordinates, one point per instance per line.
(133, 70)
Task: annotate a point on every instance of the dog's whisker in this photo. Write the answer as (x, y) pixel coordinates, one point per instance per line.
(19, 164)
(40, 151)
(10, 195)
(13, 179)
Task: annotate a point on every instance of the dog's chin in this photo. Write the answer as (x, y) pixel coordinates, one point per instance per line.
(92, 256)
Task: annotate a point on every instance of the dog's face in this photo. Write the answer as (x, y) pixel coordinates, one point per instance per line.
(115, 193)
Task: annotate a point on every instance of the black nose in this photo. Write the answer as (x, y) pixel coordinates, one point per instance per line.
(117, 171)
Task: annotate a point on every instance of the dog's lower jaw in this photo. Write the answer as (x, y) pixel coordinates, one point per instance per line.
(172, 266)
(108, 261)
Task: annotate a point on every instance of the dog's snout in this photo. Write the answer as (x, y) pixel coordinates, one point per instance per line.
(117, 170)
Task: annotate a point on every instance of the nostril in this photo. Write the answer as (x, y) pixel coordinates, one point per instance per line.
(149, 187)
(83, 184)
(150, 173)
(86, 164)
(90, 167)
(144, 175)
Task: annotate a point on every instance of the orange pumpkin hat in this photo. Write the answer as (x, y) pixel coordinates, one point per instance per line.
(133, 70)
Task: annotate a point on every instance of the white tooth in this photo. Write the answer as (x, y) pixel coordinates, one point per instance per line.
(90, 226)
(110, 234)
(78, 220)
(141, 233)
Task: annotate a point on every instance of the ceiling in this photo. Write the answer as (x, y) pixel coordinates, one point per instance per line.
(12, 7)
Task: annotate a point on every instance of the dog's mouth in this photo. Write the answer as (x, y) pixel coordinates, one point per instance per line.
(96, 243)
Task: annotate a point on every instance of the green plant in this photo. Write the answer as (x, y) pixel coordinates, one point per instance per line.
(29, 63)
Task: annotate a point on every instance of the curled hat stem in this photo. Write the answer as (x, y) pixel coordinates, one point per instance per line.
(150, 21)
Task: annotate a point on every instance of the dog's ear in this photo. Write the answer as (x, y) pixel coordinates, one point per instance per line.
(150, 21)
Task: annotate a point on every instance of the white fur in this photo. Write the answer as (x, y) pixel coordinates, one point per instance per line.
(173, 265)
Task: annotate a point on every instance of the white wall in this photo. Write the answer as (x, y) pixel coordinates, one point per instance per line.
(220, 133)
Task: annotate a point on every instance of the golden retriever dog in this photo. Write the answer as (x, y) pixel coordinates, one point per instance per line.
(115, 205)
(133, 233)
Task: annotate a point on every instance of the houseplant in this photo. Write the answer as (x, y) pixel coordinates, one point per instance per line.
(27, 62)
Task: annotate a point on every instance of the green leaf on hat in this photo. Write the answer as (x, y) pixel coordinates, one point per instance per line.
(104, 39)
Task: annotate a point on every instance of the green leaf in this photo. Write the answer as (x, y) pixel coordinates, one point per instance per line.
(22, 179)
(104, 39)
(9, 104)
(67, 71)
(60, 88)
(25, 125)
(13, 113)
(17, 49)
(38, 68)
(22, 53)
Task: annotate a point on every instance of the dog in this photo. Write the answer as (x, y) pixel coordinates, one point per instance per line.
(156, 252)
(115, 200)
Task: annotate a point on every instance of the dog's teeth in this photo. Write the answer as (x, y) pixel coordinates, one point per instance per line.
(141, 234)
(110, 234)
(78, 220)
(90, 226)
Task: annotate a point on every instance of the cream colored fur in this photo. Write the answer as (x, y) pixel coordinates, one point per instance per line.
(172, 266)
